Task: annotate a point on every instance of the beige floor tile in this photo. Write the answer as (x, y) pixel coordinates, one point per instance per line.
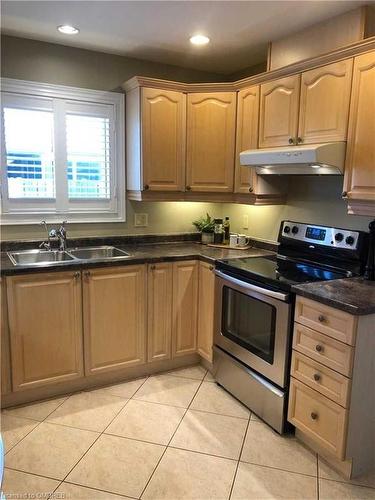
(195, 372)
(24, 485)
(256, 483)
(333, 490)
(263, 446)
(13, 429)
(36, 411)
(213, 398)
(147, 421)
(188, 475)
(88, 410)
(118, 465)
(124, 390)
(326, 472)
(50, 450)
(168, 390)
(211, 433)
(255, 418)
(68, 491)
(209, 377)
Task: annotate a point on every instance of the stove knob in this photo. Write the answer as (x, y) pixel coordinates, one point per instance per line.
(286, 229)
(294, 229)
(339, 236)
(349, 240)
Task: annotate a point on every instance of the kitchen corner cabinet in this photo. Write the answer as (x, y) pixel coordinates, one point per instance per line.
(359, 181)
(211, 122)
(114, 310)
(206, 310)
(184, 307)
(159, 285)
(45, 324)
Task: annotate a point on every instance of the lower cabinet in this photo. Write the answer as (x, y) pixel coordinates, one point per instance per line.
(45, 324)
(206, 310)
(5, 352)
(114, 313)
(184, 304)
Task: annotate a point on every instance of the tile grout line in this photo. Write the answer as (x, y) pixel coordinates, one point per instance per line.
(169, 442)
(100, 434)
(239, 458)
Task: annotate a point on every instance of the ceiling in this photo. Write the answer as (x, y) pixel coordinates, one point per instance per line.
(159, 30)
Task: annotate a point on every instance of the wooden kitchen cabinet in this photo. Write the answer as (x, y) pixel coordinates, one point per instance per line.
(45, 321)
(185, 307)
(160, 280)
(324, 103)
(211, 122)
(359, 181)
(6, 385)
(278, 121)
(114, 307)
(206, 310)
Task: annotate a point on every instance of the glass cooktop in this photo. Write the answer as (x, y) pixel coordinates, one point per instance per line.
(278, 271)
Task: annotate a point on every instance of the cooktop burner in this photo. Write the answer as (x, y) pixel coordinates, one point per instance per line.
(279, 271)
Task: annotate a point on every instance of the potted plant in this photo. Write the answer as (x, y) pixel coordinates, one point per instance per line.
(205, 226)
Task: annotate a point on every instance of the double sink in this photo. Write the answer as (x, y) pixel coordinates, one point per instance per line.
(46, 257)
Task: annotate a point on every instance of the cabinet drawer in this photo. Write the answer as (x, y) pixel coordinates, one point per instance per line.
(319, 418)
(324, 380)
(327, 351)
(333, 322)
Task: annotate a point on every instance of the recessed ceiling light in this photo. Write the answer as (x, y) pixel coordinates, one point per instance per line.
(199, 40)
(67, 29)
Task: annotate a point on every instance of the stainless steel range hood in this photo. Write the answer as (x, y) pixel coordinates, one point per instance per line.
(313, 159)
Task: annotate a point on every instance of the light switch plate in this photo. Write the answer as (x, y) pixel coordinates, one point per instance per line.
(245, 221)
(140, 220)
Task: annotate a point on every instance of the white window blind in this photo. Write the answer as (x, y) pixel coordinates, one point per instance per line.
(62, 156)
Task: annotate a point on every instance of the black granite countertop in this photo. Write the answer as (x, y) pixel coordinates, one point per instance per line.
(140, 253)
(353, 295)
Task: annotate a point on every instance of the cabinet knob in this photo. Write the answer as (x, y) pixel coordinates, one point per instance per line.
(344, 194)
(291, 140)
(77, 275)
(299, 140)
(313, 415)
(87, 274)
(146, 187)
(317, 377)
(188, 188)
(321, 318)
(153, 267)
(211, 268)
(319, 348)
(251, 189)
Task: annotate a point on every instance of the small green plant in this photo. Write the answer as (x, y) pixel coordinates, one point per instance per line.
(205, 224)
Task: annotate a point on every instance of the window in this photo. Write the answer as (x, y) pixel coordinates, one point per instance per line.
(62, 154)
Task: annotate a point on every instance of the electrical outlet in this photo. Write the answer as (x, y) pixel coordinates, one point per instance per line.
(245, 221)
(140, 220)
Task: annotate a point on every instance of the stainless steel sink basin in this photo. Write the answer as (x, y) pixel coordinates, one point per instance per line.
(38, 257)
(104, 252)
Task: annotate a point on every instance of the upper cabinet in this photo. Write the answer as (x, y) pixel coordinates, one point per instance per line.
(359, 183)
(211, 122)
(306, 109)
(324, 103)
(279, 112)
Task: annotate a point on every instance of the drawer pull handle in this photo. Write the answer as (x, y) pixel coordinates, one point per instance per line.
(314, 416)
(77, 275)
(322, 318)
(319, 348)
(317, 377)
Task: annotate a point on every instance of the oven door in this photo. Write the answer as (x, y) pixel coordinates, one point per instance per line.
(252, 323)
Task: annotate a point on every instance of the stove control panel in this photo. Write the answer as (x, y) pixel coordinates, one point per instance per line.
(320, 235)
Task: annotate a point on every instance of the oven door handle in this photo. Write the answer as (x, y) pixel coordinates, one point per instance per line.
(253, 288)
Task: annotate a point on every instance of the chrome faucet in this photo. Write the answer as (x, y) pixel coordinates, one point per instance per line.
(61, 235)
(45, 245)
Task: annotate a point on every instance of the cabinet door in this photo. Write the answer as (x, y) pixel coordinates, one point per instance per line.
(279, 112)
(246, 137)
(45, 320)
(360, 156)
(211, 121)
(159, 311)
(114, 318)
(163, 139)
(185, 297)
(324, 103)
(206, 310)
(5, 352)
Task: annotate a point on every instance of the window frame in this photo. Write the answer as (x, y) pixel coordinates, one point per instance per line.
(30, 211)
